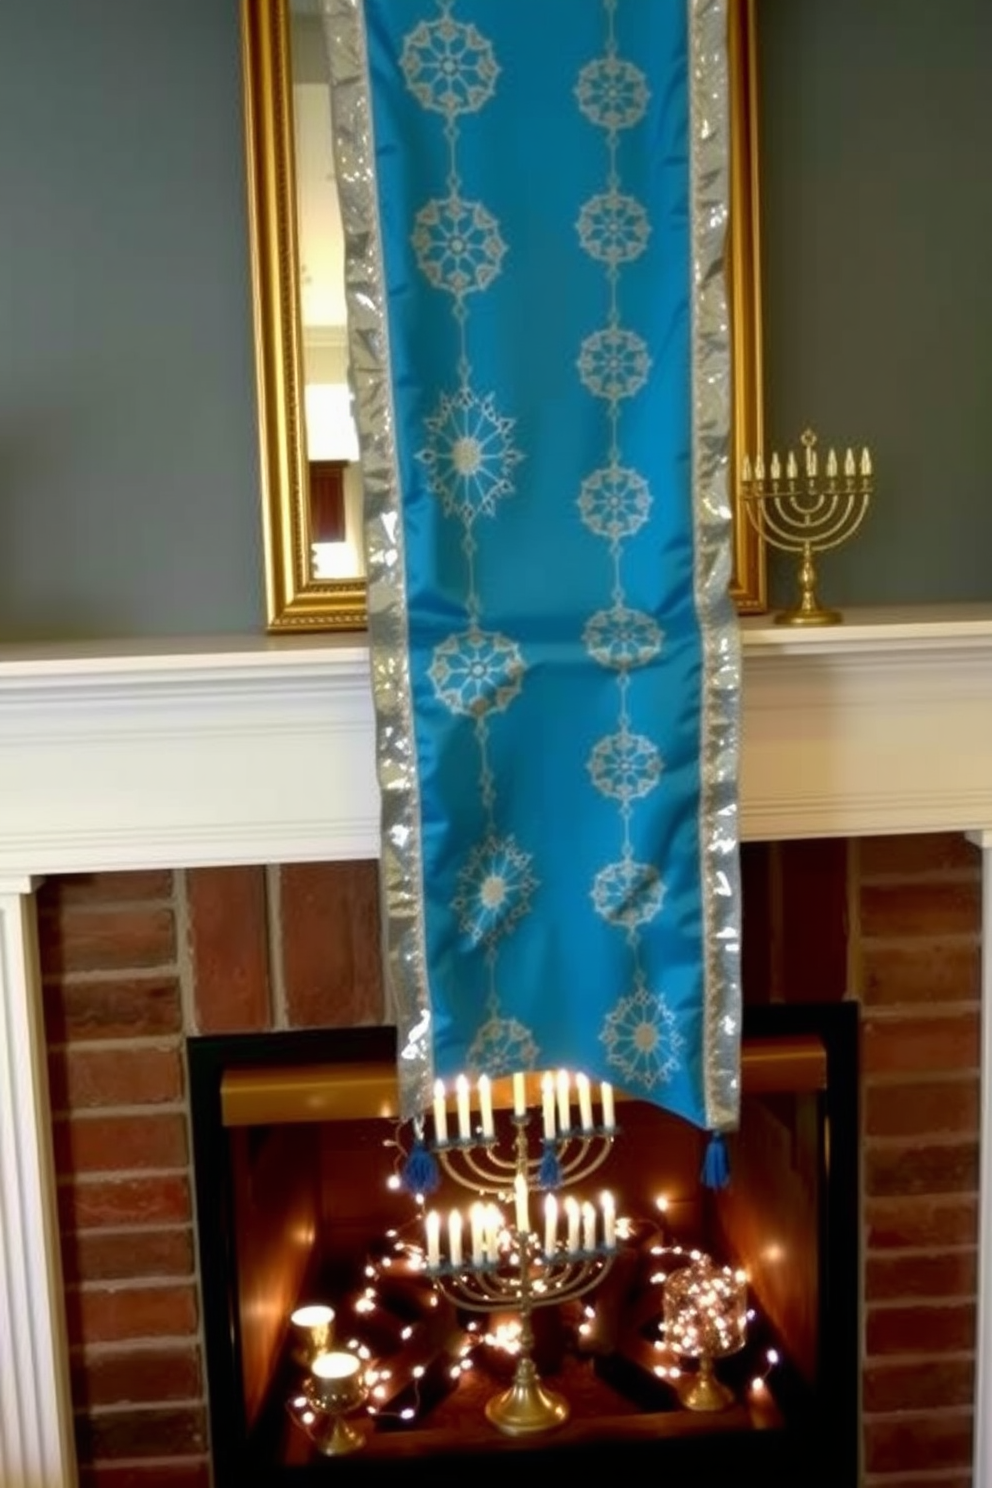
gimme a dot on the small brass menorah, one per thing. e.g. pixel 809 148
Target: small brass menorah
pixel 806 512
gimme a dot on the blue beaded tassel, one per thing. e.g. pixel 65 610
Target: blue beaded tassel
pixel 716 1163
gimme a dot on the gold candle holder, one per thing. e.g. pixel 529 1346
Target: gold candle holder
pixel 336 1387
pixel 798 508
pixel 492 1267
pixel 312 1332
pixel 705 1319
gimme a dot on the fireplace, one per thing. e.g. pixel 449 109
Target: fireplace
pixel 293 1139
pixel 227 757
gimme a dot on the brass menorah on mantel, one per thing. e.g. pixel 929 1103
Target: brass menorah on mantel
pixel 806 511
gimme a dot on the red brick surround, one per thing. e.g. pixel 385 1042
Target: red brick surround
pixel 134 962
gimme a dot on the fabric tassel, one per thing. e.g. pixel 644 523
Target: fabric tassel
pixel 420 1174
pixel 716 1163
pixel 549 1173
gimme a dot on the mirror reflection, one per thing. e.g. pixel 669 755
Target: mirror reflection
pixel 329 428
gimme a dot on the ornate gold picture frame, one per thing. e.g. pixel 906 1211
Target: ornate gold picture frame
pixel 296 599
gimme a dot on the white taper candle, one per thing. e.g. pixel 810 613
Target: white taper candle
pixel 464 1110
pixel 486 1106
pixel 455 1237
pixel 440 1114
pixel 550 1224
pixel 433 1240
pixel 548 1106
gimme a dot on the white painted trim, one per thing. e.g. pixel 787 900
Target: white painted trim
pixel 261 751
pixel 36 1442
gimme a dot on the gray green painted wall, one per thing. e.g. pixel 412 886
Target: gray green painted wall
pixel 128 465
pixel 129 488
pixel 877 193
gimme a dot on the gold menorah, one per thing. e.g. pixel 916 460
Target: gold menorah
pixel 806 512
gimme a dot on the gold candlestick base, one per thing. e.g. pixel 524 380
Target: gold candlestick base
pixel 527 1407
pixel 340 1440
pixel 704 1392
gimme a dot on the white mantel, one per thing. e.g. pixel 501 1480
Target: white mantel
pixel 261 751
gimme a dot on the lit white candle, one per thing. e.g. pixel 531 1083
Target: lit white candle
pixel 572 1216
pixel 477 1219
pixel 440 1114
pixel 585 1101
pixel 588 1227
pixel 486 1106
pixel 849 466
pixel 606 1096
pixel 548 1107
pixel 550 1224
pixel 494 1223
pixel 520 1195
pixel 866 461
pixel 464 1110
pixel 609 1221
pixel 564 1114
pixel 519 1095
pixel 455 1237
pixel 433 1240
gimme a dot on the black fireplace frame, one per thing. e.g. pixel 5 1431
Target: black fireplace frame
pixel 823 1454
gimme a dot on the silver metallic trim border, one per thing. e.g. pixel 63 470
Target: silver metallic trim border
pixel 709 122
pixel 401 893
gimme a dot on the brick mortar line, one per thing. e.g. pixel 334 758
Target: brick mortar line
pixel 922 1139
pixel 139 1042
pixel 100 1175
pixel 890 1304
pixel 102 1113
pixel 899 1361
pixel 138 1284
pixel 173 1344
pixel 963 1411
pixel 124 974
pixel 923 1012
pixel 128 1407
pixel 916 1252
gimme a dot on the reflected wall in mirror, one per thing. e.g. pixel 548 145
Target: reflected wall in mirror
pixel 311 485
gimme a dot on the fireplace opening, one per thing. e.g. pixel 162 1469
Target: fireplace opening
pixel 296 1148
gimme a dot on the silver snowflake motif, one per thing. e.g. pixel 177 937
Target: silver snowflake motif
pixel 614 502
pixel 614 363
pixel 628 893
pixel 501 1047
pixel 493 890
pixel 642 1039
pixel 449 67
pixel 612 93
pixel 625 766
pixel 469 454
pixel 477 672
pixel 622 638
pixel 613 228
pixel 458 245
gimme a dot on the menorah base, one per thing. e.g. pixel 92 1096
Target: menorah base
pixel 527 1407
pixel 704 1392
pixel 809 617
pixel 336 1437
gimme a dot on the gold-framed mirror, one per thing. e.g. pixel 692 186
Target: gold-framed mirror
pixel 311 490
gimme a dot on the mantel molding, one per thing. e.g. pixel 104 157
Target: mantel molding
pixel 233 751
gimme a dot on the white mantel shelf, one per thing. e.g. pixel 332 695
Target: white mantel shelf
pixel 247 750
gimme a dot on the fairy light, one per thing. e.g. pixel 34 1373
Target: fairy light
pixel 706 1310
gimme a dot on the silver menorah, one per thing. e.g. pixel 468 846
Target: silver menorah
pixel 806 511
pixel 512 1266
